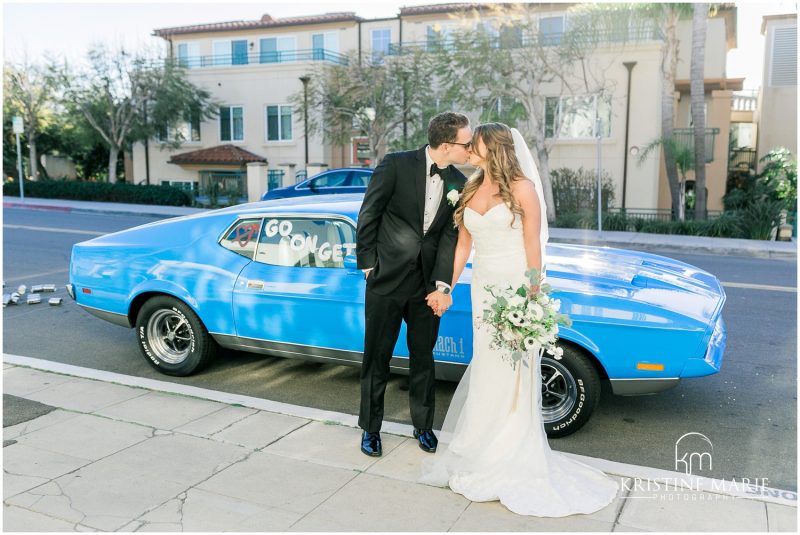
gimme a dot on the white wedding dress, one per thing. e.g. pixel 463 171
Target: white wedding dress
pixel 493 445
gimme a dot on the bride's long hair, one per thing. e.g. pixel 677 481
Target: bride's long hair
pixel 501 162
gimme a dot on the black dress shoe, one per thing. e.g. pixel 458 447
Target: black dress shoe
pixel 427 440
pixel 371 444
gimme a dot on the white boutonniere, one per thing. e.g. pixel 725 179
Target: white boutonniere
pixel 453 197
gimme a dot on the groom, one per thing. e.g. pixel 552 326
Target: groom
pixel 405 245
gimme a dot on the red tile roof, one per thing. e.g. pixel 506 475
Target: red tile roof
pixel 438 8
pixel 266 21
pixel 221 154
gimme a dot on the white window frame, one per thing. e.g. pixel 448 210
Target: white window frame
pixel 556 15
pixel 372 33
pixel 330 40
pixel 219 130
pixel 557 119
pixel 266 124
pixel 278 38
pixel 192 51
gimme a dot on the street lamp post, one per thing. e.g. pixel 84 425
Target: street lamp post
pixel 305 79
pixel 629 65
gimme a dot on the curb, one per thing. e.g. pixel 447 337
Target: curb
pixel 87 210
pixel 640 474
pixel 37 207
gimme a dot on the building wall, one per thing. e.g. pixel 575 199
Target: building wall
pixel 255 86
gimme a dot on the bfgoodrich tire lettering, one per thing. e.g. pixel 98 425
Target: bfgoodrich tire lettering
pixel 172 338
pixel 570 392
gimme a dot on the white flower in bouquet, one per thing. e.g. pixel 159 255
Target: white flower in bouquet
pixel 535 310
pixel 516 301
pixel 515 317
pixel 532 344
pixel 509 335
pixel 558 352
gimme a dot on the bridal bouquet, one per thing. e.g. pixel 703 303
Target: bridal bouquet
pixel 523 322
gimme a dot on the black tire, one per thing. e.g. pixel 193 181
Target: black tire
pixel 576 380
pixel 189 347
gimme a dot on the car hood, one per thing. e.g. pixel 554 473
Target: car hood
pixel 642 278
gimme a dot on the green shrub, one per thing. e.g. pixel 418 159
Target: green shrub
pixel 576 190
pixel 100 191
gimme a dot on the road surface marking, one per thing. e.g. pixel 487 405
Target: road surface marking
pixel 55 229
pixel 790 289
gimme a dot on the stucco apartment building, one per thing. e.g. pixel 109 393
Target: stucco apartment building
pixel 253 67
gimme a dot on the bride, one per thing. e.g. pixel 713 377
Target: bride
pixel 493 445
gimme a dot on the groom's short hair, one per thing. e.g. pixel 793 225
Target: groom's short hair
pixel 444 127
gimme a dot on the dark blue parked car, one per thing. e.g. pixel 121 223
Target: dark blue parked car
pixel 345 180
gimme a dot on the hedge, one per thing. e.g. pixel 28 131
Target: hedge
pixel 100 191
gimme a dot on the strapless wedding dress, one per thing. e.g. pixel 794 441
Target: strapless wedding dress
pixel 493 445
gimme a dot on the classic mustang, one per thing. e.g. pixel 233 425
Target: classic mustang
pixel 280 278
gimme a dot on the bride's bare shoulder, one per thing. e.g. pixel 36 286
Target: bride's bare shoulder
pixel 523 186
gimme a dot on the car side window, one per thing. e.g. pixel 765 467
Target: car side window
pixel 305 242
pixel 330 180
pixel 242 237
pixel 361 179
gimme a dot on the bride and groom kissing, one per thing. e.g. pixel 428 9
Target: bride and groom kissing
pixel 417 226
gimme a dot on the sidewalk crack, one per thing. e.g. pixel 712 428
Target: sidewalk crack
pixel 624 500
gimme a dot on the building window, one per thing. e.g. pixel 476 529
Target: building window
pixel 439 36
pixel 186 130
pixel 551 30
pixel 277 49
pixel 230 52
pixel 576 117
pixel 381 39
pixel 279 123
pixel 189 55
pixel 231 123
pixel 783 63
pixel 322 42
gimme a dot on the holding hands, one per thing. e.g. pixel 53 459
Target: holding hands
pixel 439 302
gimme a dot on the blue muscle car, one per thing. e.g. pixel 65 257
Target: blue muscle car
pixel 280 278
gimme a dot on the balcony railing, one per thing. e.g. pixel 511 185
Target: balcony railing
pixel 512 40
pixel 744 102
pixel 262 58
pixel 742 159
pixel 684 137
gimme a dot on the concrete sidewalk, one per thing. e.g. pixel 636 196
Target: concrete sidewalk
pixel 625 240
pixel 115 455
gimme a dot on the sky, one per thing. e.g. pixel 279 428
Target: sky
pixel 67 29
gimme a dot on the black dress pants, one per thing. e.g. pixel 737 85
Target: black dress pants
pixel 384 316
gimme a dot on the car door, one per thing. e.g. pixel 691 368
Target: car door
pixel 330 182
pixel 302 293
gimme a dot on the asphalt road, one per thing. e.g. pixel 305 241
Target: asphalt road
pixel 748 411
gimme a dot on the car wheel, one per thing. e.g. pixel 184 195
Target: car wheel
pixel 570 392
pixel 172 338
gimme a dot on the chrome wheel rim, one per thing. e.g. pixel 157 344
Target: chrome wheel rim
pixel 170 336
pixel 559 390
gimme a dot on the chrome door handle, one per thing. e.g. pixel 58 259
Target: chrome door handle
pixel 255 284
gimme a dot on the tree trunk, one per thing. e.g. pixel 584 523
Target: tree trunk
pixel 544 174
pixel 113 156
pixel 697 77
pixel 669 66
pixel 34 161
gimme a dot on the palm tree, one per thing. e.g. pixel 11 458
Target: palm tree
pixel 683 159
pixel 697 78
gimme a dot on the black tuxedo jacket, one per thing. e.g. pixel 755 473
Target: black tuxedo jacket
pixel 389 237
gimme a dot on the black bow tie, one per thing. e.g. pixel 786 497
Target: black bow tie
pixel 436 171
